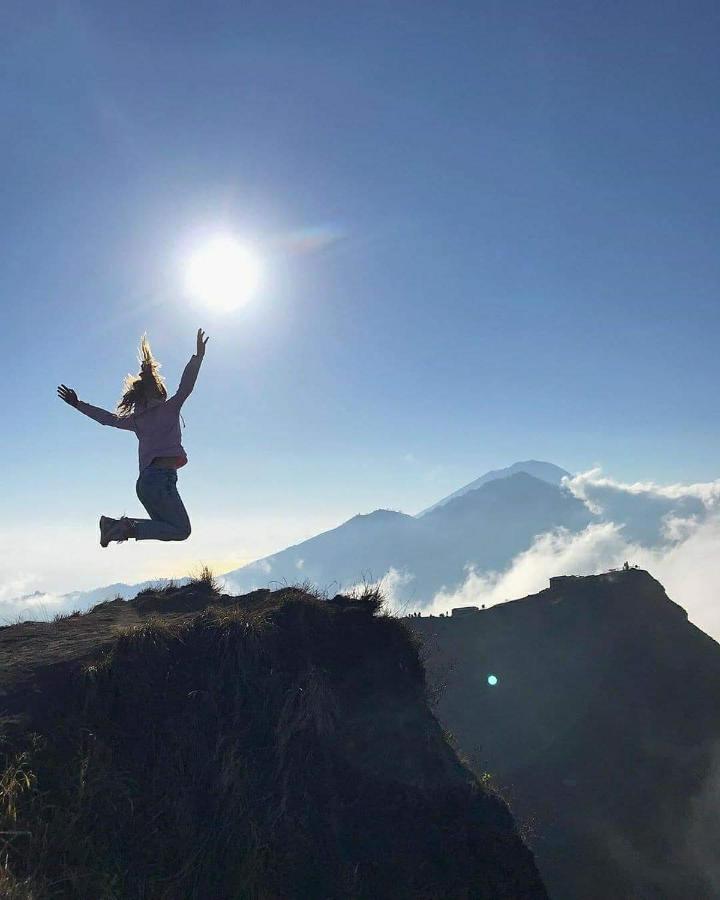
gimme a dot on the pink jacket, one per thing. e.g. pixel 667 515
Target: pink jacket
pixel 157 428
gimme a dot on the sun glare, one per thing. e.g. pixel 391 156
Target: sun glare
pixel 223 274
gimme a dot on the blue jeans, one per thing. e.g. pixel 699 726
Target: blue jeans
pixel 157 491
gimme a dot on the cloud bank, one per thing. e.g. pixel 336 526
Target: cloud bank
pixel 673 531
pixel 16 603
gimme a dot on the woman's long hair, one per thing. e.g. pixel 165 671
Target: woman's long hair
pixel 148 383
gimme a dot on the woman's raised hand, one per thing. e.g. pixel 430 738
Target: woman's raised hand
pixel 68 395
pixel 200 352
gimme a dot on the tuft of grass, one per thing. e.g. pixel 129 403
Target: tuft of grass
pixel 311 590
pixel 368 595
pixel 102 603
pixel 61 617
pixel 153 630
pixel 204 578
pixel 12 889
pixel 160 587
pixel 16 778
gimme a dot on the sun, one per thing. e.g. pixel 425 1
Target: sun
pixel 223 273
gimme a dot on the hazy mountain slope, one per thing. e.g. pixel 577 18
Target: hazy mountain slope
pixel 545 471
pixel 603 727
pixel 485 527
pixel 490 525
pixel 366 545
pixel 85 599
pixel 188 745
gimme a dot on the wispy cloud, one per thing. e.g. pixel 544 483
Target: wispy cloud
pixel 554 553
pixel 592 485
pixel 37 605
pixel 689 568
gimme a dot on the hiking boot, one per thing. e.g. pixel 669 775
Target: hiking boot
pixel 115 529
pixel 126 527
pixel 106 527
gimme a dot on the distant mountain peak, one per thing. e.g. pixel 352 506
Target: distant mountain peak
pixel 544 471
pixel 379 515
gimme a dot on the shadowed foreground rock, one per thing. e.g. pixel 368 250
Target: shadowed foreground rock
pixel 602 729
pixel 190 745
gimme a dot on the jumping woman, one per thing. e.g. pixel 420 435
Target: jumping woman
pixel 145 409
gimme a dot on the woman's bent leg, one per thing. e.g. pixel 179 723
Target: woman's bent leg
pixel 157 491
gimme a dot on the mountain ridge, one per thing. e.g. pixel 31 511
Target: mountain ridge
pixel 540 469
pixel 486 526
pixel 601 728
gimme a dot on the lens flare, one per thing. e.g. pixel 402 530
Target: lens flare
pixel 223 274
pixel 312 239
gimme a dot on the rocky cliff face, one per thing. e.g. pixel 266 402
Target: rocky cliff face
pixel 192 745
pixel 595 706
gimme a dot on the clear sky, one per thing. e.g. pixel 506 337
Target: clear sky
pixel 489 232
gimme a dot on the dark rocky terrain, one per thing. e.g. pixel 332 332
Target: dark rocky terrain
pixel 188 744
pixel 602 731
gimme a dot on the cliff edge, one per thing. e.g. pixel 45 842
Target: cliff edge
pixel 188 744
pixel 594 704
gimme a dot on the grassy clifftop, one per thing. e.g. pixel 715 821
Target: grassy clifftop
pixel 188 744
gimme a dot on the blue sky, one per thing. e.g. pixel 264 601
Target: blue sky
pixel 523 204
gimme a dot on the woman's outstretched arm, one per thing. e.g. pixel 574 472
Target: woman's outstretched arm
pixel 189 376
pixel 94 412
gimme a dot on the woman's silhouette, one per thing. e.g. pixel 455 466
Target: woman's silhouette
pixel 146 410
